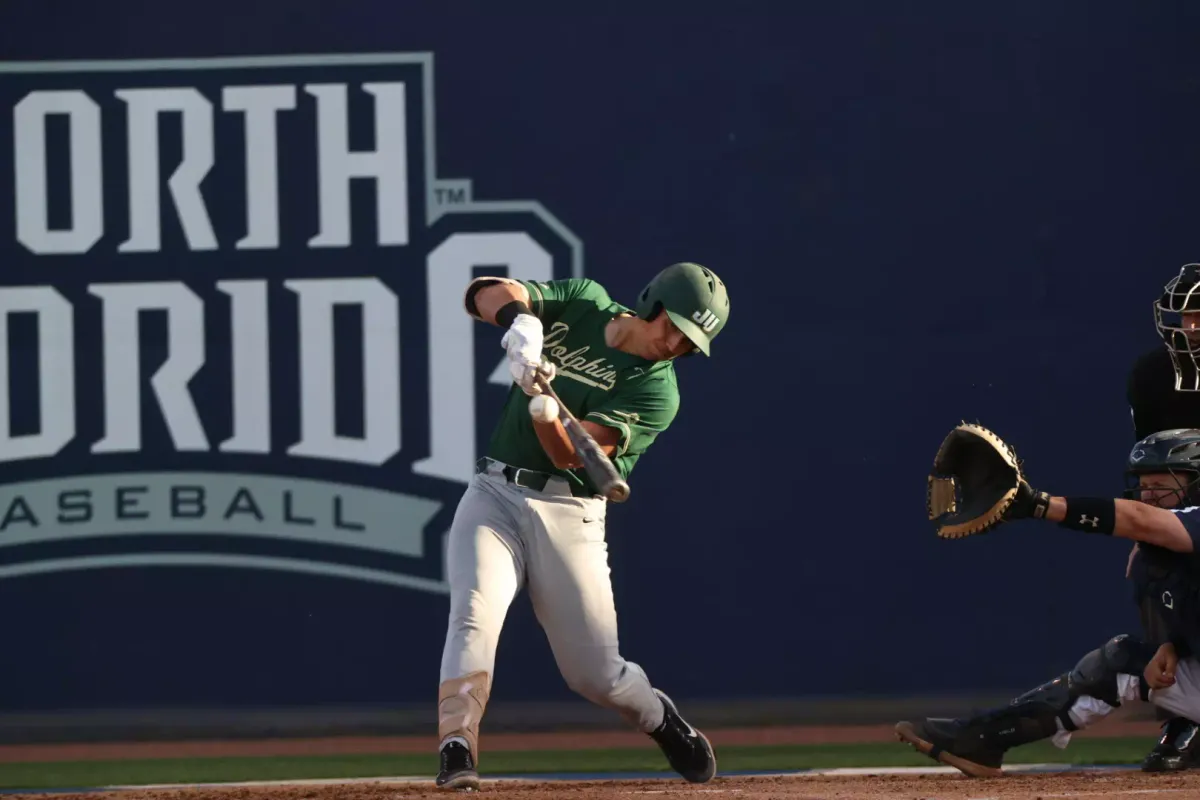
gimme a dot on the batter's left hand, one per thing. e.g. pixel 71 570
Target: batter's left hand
pixel 523 340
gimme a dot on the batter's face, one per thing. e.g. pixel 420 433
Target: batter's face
pixel 1162 489
pixel 663 341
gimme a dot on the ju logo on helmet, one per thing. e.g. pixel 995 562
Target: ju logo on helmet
pixel 706 319
pixel 227 325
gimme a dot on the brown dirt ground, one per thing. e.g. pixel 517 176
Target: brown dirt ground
pixel 924 787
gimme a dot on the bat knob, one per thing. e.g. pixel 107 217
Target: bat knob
pixel 618 492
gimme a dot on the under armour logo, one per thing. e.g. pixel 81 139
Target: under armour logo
pixel 1168 601
pixel 1084 519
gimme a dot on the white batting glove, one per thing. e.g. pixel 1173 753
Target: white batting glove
pixel 543 408
pixel 525 374
pixel 523 339
pixel 523 342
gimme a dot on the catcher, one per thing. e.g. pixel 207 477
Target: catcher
pixel 978 484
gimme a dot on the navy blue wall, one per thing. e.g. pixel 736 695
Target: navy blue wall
pixel 924 212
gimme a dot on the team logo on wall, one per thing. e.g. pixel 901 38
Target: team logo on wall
pixel 231 330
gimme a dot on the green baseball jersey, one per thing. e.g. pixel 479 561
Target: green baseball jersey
pixel 598 383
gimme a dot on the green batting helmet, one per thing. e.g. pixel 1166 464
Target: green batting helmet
pixel 693 297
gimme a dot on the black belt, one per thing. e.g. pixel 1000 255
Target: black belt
pixel 528 478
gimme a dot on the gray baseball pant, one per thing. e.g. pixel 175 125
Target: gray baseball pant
pixel 505 536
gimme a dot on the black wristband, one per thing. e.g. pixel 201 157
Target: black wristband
pixel 1090 514
pixel 509 312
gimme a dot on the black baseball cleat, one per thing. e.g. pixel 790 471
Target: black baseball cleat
pixel 688 751
pixel 949 741
pixel 458 769
pixel 1178 747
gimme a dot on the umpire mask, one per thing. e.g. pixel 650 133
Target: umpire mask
pixel 1177 318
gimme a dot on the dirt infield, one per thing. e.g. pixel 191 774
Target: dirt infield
pixel 564 740
pixel 887 787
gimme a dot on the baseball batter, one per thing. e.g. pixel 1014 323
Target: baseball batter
pixel 531 517
pixel 1164 393
pixel 1165 471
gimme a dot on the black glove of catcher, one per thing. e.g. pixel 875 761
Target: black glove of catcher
pixel 1028 503
pixel 977 483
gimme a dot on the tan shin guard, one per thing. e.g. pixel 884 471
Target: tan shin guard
pixel 461 702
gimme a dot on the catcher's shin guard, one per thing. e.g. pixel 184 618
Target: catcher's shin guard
pixel 976 745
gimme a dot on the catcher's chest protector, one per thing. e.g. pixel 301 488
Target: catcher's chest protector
pixel 1169 583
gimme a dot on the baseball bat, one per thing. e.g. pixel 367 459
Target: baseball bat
pixel 598 465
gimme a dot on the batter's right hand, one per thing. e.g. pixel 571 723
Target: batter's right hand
pixel 525 374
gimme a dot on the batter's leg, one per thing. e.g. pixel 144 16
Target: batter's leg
pixel 485 569
pixel 571 592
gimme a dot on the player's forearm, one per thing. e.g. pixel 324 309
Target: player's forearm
pixel 556 444
pixel 490 299
pixel 1131 520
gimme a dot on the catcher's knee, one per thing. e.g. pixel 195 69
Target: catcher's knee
pixel 1127 654
pixel 1096 673
pixel 461 703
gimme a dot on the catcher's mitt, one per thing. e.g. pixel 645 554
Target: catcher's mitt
pixel 977 483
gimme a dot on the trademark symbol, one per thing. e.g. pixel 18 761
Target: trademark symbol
pixel 451 193
pixel 447 197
